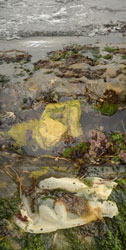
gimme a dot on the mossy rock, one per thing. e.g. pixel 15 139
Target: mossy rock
pixel 108 108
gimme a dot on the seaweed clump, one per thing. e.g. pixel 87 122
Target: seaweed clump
pixel 62 240
pixel 118 144
pixel 115 235
pixel 8 207
pixel 36 241
pixel 100 149
pixel 107 108
pixel 5 245
pixel 78 151
pixel 109 104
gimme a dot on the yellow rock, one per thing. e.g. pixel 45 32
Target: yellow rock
pixel 55 121
pixel 73 118
pixel 18 131
pixel 49 132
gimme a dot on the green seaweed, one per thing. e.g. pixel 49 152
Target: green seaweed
pixel 39 173
pixel 108 56
pixel 65 239
pixel 122 182
pixel 119 139
pixel 67 152
pixel 74 243
pixel 64 54
pixel 115 236
pixel 88 182
pixel 108 108
pixel 96 54
pixel 5 245
pixel 9 206
pixel 110 242
pixel 124 57
pixel 37 241
pixel 60 169
pixel 80 148
pixel 109 49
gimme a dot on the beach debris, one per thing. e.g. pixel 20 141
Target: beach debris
pixel 74 203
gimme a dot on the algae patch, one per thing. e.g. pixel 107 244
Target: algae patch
pixel 79 149
pixel 108 108
pixel 38 173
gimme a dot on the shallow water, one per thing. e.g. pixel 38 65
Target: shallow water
pixel 61 17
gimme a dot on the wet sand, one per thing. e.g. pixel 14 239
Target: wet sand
pixel 38 47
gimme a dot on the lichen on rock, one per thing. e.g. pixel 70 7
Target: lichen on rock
pixel 19 131
pixel 56 120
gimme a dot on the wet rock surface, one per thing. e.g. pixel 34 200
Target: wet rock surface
pixel 92 136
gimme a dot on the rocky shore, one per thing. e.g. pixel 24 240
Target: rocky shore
pixel 63 116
